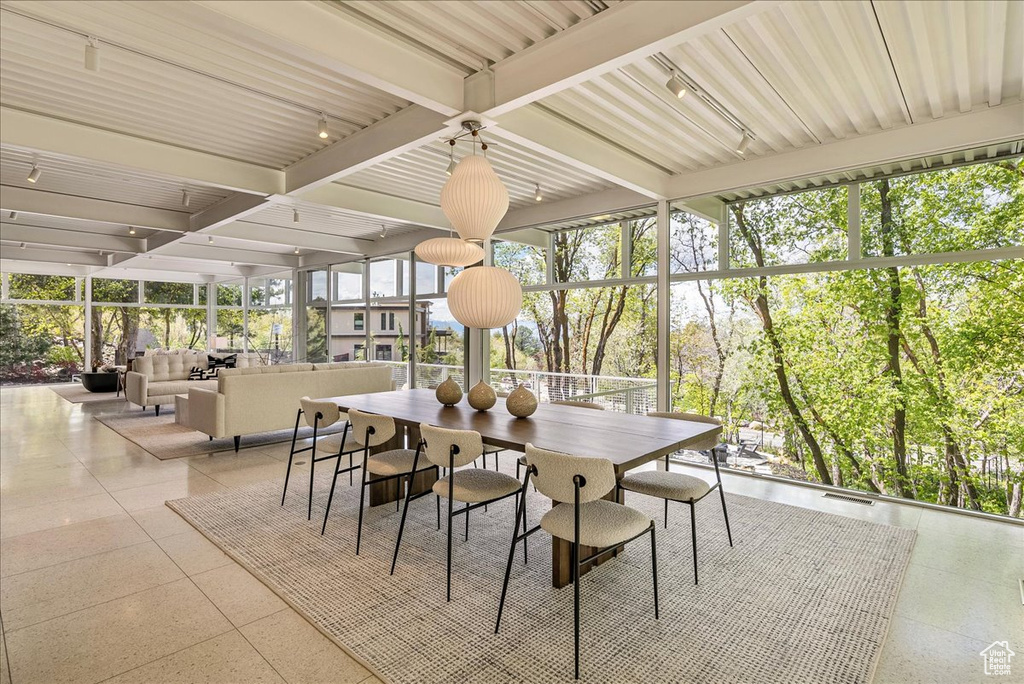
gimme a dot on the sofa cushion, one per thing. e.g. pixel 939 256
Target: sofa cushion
pixel 171 387
pixel 161 367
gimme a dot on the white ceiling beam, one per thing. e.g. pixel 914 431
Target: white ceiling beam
pixel 303 239
pixel 407 130
pixel 953 133
pixel 377 206
pixel 226 211
pixel 222 254
pixel 342 43
pixel 614 38
pixel 59 237
pixel 67 139
pixel 585 206
pixel 566 142
pixel 45 203
pixel 527 236
pixel 52 256
pixel 123 266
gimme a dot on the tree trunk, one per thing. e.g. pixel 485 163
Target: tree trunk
pixel 97 336
pixel 777 353
pixel 893 312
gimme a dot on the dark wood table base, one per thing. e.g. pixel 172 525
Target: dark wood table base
pixel 389 491
pixel 561 555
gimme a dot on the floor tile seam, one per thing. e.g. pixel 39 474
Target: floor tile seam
pixel 940 629
pixel 148 484
pixel 166 655
pixel 964 575
pixel 91 555
pixel 97 605
pixel 57 527
pixel 57 501
pixel 974 637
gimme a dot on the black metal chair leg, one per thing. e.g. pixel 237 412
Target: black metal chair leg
pixel 330 498
pixel 467 522
pixel 693 534
pixel 654 569
pixel 526 558
pixel 449 586
pixel 726 514
pixel 291 455
pixel 362 498
pixel 576 600
pixel 666 514
pixel 438 497
pixel 401 528
pixel 350 467
pixel 312 465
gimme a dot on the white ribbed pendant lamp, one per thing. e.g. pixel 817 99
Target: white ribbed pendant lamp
pixel 485 297
pixel 449 251
pixel 474 199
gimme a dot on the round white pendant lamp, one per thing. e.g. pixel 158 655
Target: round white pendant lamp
pixel 485 297
pixel 449 251
pixel 474 199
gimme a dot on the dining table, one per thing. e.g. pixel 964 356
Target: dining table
pixel 627 440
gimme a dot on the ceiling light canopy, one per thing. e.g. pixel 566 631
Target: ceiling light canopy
pixel 34 174
pixel 474 199
pixel 676 86
pixel 485 297
pixel 449 251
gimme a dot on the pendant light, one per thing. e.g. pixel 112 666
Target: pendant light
pixel 485 297
pixel 449 251
pixel 474 199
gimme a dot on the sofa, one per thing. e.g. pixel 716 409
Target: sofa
pixel 155 378
pixel 252 400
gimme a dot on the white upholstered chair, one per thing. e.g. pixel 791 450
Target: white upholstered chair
pixel 320 415
pixel 680 487
pixel 475 487
pixel 581 517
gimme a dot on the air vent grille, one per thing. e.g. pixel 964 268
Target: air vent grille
pixel 845 497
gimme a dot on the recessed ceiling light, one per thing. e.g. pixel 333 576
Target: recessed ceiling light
pixel 676 86
pixel 34 174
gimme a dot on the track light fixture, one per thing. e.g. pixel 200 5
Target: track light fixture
pixel 209 240
pixel 131 230
pixel 676 85
pixel 92 55
pixel 383 230
pixel 321 127
pixel 13 216
pixel 34 174
pixel 537 194
pixel 22 245
pixel 296 250
pixel 295 215
pixel 744 143
pixel 451 157
pixel 185 199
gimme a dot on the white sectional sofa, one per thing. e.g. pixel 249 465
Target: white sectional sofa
pixel 156 378
pixel 248 401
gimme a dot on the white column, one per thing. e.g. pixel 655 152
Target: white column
pixel 245 314
pixel 854 249
pixel 413 321
pixel 367 337
pixel 88 320
pixel 211 315
pixel 664 402
pixel 295 314
pixel 327 314
pixel 723 239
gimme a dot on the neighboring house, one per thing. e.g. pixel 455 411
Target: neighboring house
pixel 385 323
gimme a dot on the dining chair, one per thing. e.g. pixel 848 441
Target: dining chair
pixel 320 415
pixel 374 430
pixel 580 516
pixel 475 487
pixel 680 487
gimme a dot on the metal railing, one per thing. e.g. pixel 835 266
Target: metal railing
pixel 627 395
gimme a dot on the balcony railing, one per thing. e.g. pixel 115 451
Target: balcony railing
pixel 627 395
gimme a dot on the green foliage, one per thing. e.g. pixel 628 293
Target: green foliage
pixel 16 345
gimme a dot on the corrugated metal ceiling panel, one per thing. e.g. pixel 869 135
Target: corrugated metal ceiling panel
pixel 317 218
pixel 165 76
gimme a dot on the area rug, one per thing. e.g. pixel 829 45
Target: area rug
pixel 803 597
pixel 77 394
pixel 165 439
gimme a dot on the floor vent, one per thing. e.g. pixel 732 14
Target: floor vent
pixel 845 497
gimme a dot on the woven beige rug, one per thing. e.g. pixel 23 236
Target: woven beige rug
pixel 803 597
pixel 165 439
pixel 77 394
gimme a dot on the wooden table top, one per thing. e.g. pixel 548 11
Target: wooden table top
pixel 626 440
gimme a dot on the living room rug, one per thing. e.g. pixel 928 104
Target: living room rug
pixel 804 596
pixel 76 394
pixel 165 439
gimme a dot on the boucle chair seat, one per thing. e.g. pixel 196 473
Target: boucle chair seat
pixel 602 523
pixel 333 443
pixel 394 462
pixel 474 485
pixel 666 485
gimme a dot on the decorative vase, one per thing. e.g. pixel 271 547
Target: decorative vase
pixel 448 392
pixel 521 403
pixel 482 396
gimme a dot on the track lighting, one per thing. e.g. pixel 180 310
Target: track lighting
pixel 131 230
pixel 185 199
pixel 92 55
pixel 537 194
pixel 321 127
pixel 383 230
pixel 209 240
pixel 34 174
pixel 296 250
pixel 22 245
pixel 13 216
pixel 451 157
pixel 295 215
pixel 451 167
pixel 676 86
pixel 744 143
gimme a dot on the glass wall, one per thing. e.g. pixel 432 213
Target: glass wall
pixel 269 330
pixel 41 340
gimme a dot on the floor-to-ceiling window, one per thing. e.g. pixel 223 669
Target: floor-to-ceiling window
pixel 42 329
pixel 269 317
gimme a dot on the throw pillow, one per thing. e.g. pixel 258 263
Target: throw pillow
pixel 221 361
pixel 196 373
